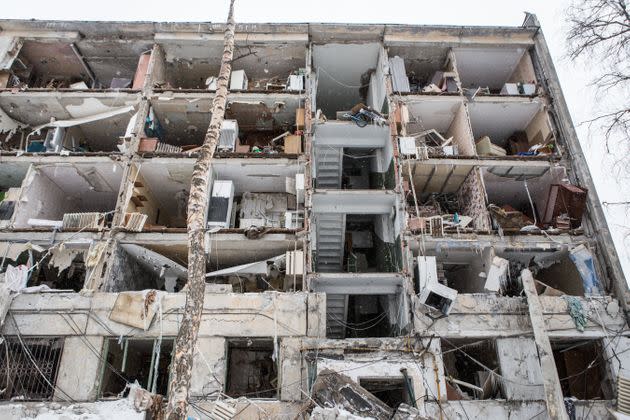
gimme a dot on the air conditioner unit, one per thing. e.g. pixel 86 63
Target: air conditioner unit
pixel 238 80
pixel 221 200
pixel 228 136
pixel 431 292
pixel 295 82
pixel 295 263
pixel 408 146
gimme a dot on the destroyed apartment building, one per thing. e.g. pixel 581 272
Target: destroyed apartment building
pixel 401 225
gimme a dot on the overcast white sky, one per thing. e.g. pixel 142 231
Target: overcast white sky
pixel 574 78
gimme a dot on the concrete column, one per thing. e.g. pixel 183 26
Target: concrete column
pixel 551 382
pixel 79 368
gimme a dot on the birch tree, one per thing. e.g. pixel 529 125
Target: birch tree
pixel 185 344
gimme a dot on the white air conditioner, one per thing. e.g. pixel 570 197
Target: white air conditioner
pixel 431 292
pixel 228 136
pixel 295 82
pixel 221 200
pixel 238 80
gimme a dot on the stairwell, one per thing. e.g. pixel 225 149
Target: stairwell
pixel 328 166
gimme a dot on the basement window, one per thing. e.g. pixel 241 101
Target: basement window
pixel 22 367
pixel 132 360
pixel 467 379
pixel 251 370
pixel 391 391
pixel 582 370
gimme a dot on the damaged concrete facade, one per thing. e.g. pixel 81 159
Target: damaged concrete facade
pixel 444 251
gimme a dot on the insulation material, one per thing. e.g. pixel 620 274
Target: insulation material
pixel 9 125
pixel 136 309
pixel 62 258
pixel 471 196
pixel 583 260
pixel 94 254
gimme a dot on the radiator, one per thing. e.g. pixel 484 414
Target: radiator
pixel 83 220
pixel 135 221
pixel 623 395
pixel 167 148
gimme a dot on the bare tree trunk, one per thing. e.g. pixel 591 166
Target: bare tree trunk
pixel 181 368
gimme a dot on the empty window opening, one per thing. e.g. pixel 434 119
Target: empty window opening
pixel 368 316
pixel 347 74
pixel 428 69
pixel 391 391
pixel 524 129
pixel 79 66
pixel 136 360
pixel 251 373
pixel 582 370
pixel 364 248
pixel 528 199
pixel 467 379
pixel 254 68
pixel 27 367
pixel 77 196
pixel 491 68
pixel 362 169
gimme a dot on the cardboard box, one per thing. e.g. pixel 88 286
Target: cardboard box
pixel 293 145
pixel 299 118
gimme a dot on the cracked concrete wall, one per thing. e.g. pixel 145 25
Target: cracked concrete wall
pixel 209 367
pixel 79 381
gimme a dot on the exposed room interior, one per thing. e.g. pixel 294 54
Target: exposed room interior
pixel 511 128
pixel 582 369
pixel 441 126
pixel 188 65
pixel 492 67
pixel 527 198
pixel 73 123
pixel 426 64
pixel 52 191
pixel 348 74
pixel 244 193
pixel 261 120
pixel 444 197
pixel 11 177
pixel 366 162
pixel 364 238
pixel 391 391
pixel 379 310
pixel 466 380
pixel 251 370
pixel 80 65
pixel 136 359
pixel 556 273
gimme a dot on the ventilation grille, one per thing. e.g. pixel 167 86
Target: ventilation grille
pixel 222 411
pixel 623 395
pixel 135 221
pixel 83 221
pixel 167 148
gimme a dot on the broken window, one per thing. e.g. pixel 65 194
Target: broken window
pixel 391 391
pixel 466 378
pixel 582 370
pixel 525 130
pixel 69 196
pixel 251 372
pixel 28 365
pixel 135 359
pixel 371 316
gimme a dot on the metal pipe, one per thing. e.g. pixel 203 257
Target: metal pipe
pixel 85 65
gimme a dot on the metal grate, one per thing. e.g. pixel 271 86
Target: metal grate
pixel 26 371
